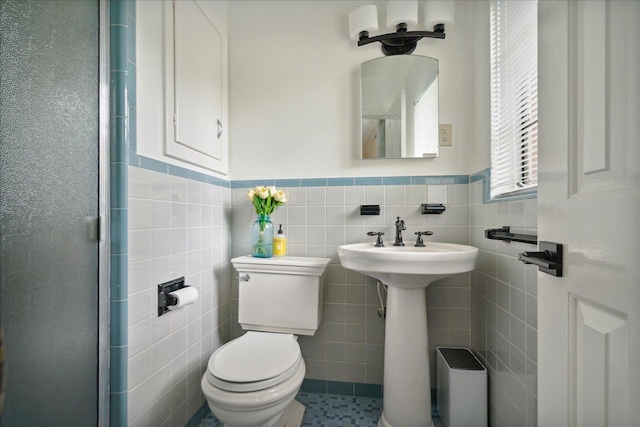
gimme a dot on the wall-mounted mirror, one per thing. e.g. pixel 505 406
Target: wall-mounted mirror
pixel 399 100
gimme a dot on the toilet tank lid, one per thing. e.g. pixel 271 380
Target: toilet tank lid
pixel 285 264
pixel 255 356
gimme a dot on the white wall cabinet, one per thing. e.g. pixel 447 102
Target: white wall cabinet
pixel 195 84
pixel 181 80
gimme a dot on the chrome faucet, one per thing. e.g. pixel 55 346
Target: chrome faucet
pixel 399 227
pixel 419 241
pixel 379 242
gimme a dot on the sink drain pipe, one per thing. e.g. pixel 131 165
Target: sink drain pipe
pixel 382 310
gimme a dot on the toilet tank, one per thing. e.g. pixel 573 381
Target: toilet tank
pixel 280 294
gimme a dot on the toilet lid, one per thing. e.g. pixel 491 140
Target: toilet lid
pixel 255 357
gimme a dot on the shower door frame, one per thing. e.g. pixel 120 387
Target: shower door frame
pixel 104 247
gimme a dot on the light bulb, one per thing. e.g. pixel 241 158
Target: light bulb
pixel 364 18
pixel 402 12
pixel 438 12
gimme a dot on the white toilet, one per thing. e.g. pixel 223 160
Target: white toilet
pixel 253 380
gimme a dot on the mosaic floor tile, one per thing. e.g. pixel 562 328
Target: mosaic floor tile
pixel 326 410
pixel 329 410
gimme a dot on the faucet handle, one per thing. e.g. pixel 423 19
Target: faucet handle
pixel 419 242
pixel 379 243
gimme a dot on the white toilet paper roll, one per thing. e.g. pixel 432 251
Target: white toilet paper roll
pixel 185 296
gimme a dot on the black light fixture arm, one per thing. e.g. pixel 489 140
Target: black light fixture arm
pixel 402 41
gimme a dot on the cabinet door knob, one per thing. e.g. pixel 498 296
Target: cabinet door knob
pixel 219 129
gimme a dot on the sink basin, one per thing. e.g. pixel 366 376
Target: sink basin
pixel 407 270
pixel 408 266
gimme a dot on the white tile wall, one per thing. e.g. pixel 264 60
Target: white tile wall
pixel 177 227
pixel 504 309
pixel 349 345
pixel 182 227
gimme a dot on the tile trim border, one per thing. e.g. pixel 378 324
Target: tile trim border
pixel 485 176
pixel 119 93
pixel 148 163
pixel 354 181
pixel 341 388
pixel 144 162
pixel 199 415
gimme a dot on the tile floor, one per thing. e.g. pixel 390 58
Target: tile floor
pixel 326 410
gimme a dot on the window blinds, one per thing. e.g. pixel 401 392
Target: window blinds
pixel 514 96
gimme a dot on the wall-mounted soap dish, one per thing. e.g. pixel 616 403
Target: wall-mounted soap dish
pixel 432 208
pixel 369 209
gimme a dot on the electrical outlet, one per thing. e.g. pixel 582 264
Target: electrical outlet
pixel 445 135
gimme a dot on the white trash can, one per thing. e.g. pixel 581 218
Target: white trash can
pixel 461 388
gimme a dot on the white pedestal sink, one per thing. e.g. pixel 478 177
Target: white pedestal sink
pixel 407 270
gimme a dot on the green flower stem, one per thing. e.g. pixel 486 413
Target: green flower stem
pixel 262 220
pixel 265 206
pixel 260 247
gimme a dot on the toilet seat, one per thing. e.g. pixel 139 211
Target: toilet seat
pixel 254 361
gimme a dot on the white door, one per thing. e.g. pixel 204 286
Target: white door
pixel 588 200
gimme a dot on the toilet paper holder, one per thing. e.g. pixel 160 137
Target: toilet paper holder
pixel 164 289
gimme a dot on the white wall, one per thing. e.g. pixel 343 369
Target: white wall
pixel 480 150
pixel 294 92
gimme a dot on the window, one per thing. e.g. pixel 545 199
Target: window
pixel 514 97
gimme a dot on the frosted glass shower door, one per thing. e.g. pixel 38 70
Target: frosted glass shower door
pixel 49 183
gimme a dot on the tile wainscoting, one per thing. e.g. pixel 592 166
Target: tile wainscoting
pixel 504 307
pixel 182 223
pixel 322 214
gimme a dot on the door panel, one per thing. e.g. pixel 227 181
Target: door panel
pixel 599 352
pixel 49 85
pixel 589 200
pixel 601 70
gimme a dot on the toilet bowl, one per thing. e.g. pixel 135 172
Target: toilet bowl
pixel 252 380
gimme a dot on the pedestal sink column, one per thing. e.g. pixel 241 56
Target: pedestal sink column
pixel 407 388
pixel 407 270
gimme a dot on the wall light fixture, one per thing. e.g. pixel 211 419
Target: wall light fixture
pixel 400 15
